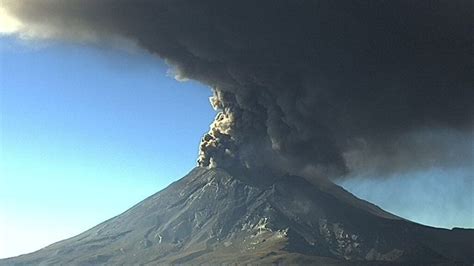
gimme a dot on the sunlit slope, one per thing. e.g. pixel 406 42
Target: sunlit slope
pixel 212 217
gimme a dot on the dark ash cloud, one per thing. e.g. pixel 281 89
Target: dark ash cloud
pixel 305 87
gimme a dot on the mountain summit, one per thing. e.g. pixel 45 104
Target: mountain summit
pixel 210 216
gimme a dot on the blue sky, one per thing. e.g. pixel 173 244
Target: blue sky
pixel 87 132
pixel 436 197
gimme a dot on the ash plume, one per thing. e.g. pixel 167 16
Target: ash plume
pixel 302 87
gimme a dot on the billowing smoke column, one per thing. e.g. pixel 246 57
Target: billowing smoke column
pixel 250 132
pixel 302 87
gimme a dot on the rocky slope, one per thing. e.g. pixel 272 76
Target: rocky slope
pixel 210 216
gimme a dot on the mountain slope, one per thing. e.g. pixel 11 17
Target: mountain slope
pixel 212 217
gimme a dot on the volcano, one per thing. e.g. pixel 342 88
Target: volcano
pixel 211 216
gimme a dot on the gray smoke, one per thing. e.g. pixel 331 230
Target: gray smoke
pixel 302 87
